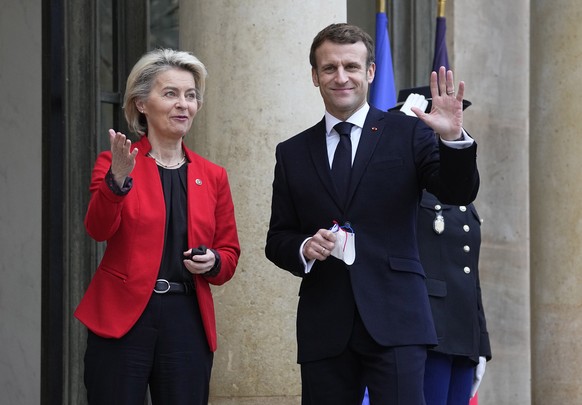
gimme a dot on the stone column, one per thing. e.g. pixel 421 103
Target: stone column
pixel 23 188
pixel 490 52
pixel 556 201
pixel 259 93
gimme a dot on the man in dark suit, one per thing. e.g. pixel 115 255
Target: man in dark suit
pixel 367 323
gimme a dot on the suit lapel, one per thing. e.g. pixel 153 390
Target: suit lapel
pixel 371 133
pixel 318 152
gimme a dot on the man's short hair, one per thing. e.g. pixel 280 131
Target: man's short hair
pixel 342 33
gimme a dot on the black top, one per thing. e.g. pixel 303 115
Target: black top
pixel 176 237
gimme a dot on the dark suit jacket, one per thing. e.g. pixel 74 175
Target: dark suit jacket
pixel 397 157
pixel 133 226
pixel 451 262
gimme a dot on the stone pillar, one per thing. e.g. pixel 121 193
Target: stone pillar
pixel 259 92
pixel 490 52
pixel 22 193
pixel 556 201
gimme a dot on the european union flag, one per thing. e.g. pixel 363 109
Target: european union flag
pixel 383 91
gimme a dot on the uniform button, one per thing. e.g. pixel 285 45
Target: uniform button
pixel 437 207
pixel 463 208
pixel 466 228
pixel 467 270
pixel 466 248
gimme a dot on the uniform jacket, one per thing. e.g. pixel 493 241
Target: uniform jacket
pixel 397 157
pixel 450 259
pixel 133 226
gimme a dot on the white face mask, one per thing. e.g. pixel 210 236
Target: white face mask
pixel 345 244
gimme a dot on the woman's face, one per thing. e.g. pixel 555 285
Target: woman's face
pixel 171 105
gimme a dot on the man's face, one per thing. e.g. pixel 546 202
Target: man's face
pixel 342 77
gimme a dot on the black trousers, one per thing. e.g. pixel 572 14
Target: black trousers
pixel 393 375
pixel 165 350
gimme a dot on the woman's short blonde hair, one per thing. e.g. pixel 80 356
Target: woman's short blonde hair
pixel 141 80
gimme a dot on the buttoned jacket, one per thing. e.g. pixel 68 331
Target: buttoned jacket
pixel 396 158
pixel 449 239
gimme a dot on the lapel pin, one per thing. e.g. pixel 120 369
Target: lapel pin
pixel 198 182
pixel 374 129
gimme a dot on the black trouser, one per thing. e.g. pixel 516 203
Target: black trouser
pixel 393 375
pixel 166 349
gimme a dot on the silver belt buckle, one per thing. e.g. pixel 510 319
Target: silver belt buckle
pixel 161 280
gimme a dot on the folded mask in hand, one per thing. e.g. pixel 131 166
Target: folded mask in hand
pixel 345 244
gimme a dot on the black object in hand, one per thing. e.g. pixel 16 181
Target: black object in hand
pixel 200 250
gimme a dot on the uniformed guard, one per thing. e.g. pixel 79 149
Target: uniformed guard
pixel 449 240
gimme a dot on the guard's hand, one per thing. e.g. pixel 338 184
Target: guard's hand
pixel 446 115
pixel 320 245
pixel 122 157
pixel 414 100
pixel 478 377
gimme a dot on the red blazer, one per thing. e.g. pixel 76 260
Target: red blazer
pixel 133 226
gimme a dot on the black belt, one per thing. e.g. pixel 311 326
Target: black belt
pixel 173 287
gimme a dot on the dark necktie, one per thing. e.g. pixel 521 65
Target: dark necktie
pixel 341 166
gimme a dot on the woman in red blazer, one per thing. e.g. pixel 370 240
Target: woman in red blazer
pixel 168 218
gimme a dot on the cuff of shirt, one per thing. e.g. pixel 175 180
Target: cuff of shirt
pixel 464 142
pixel 213 272
pixel 114 187
pixel 306 264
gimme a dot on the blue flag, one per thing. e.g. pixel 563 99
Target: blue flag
pixel 441 56
pixel 383 91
